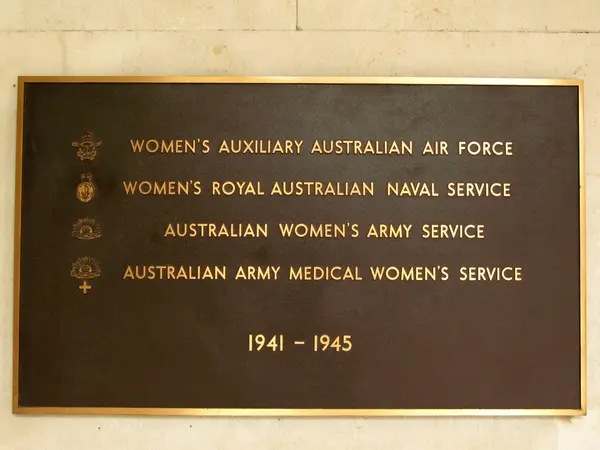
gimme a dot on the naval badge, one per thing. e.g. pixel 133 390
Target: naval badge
pixel 87 148
pixel 86 229
pixel 85 189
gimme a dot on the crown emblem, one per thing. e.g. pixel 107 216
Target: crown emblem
pixel 85 189
pixel 85 268
pixel 87 148
pixel 86 229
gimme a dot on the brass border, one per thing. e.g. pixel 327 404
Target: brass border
pixel 17 231
pixel 239 412
pixel 582 252
pixel 307 80
pixel 298 412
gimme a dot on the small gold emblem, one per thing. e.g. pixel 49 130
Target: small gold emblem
pixel 86 229
pixel 85 268
pixel 87 148
pixel 84 287
pixel 86 188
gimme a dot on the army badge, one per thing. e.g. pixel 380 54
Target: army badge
pixel 85 189
pixel 87 148
pixel 86 229
pixel 85 268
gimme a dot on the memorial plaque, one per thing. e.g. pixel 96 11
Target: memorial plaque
pixel 299 246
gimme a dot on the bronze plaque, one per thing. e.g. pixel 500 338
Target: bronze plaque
pixel 299 246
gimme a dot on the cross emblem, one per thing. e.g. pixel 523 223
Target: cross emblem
pixel 85 287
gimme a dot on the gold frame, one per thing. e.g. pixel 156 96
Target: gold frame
pixel 298 412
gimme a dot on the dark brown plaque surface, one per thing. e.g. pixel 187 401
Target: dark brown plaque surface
pixel 134 280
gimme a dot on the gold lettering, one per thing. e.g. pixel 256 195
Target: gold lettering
pixel 468 189
pixel 167 272
pixel 475 148
pixel 356 147
pixel 436 148
pixel 412 189
pixel 318 273
pixel 389 231
pixel 477 273
pixel 257 273
pixel 320 188
pixel 162 187
pixel 413 273
pixel 443 231
pixel 168 146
